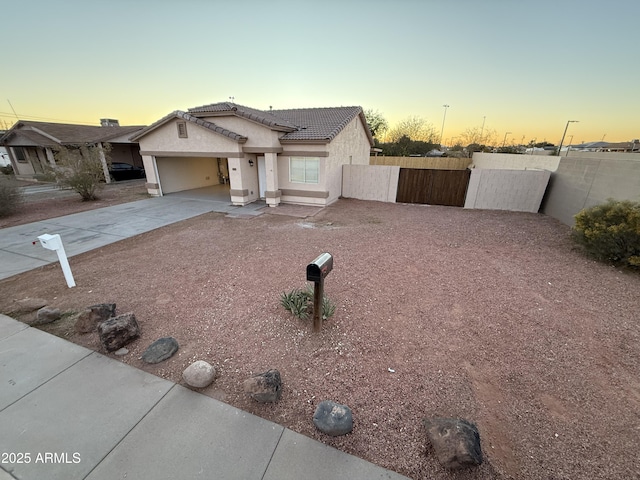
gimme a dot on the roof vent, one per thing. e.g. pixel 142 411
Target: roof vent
pixel 109 122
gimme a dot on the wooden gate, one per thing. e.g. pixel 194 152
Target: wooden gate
pixel 433 187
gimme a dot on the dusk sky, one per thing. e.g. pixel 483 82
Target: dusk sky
pixel 521 66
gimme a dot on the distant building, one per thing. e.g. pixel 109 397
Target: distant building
pixel 31 145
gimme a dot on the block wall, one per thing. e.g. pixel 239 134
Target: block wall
pixel 514 190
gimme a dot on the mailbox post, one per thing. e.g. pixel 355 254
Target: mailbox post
pixel 54 242
pixel 316 272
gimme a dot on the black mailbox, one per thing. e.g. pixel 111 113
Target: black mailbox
pixel 319 268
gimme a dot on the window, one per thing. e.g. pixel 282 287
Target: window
pixel 182 129
pixel 19 154
pixel 304 170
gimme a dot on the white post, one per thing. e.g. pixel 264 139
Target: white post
pixel 103 161
pixel 54 242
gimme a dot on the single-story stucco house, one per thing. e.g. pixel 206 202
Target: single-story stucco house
pixel 31 145
pixel 289 156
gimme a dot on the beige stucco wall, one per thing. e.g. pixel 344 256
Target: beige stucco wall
pixel 319 189
pixel 501 189
pixel 350 147
pixel 244 177
pixel 199 140
pixel 184 173
pixel 509 161
pixel 370 182
pixel 258 135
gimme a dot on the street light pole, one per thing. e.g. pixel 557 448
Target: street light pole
pixel 443 119
pixel 505 139
pixel 484 119
pixel 565 133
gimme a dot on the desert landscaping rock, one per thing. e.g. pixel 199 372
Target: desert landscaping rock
pixel 28 305
pixel 199 374
pixel 121 352
pixel 513 329
pixel 47 315
pixel 333 418
pixel 89 319
pixel 264 387
pixel 118 331
pixel 455 442
pixel 160 350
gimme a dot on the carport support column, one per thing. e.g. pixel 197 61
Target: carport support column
pixel 272 193
pixel 50 157
pixel 103 161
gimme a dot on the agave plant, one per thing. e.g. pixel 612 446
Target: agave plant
pixel 300 303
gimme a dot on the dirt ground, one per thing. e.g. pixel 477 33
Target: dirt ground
pixel 489 316
pixel 40 206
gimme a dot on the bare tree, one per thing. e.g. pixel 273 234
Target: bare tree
pixel 80 169
pixel 478 136
pixel 416 128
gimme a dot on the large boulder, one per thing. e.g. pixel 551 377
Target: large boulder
pixel 89 319
pixel 264 387
pixel 199 374
pixel 456 442
pixel 333 418
pixel 118 331
pixel 160 350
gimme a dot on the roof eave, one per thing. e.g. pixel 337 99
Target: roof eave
pixel 313 142
pixel 236 113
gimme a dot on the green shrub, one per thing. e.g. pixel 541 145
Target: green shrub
pixel 10 199
pixel 7 170
pixel 300 303
pixel 610 232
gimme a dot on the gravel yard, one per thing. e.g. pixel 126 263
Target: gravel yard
pixel 485 315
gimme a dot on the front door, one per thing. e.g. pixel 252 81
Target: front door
pixel 262 176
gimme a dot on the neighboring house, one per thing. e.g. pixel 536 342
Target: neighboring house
pixel 4 156
pixel 632 146
pixel 31 145
pixel 289 156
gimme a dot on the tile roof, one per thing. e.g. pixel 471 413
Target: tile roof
pixel 67 134
pixel 301 124
pixel 190 118
pixel 265 118
pixel 318 123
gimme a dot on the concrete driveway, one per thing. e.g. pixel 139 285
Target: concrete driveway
pixel 92 229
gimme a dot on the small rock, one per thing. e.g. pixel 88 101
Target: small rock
pixel 121 352
pixel 199 374
pixel 265 387
pixel 332 418
pixel 455 442
pixel 47 315
pixel 89 319
pixel 116 332
pixel 160 350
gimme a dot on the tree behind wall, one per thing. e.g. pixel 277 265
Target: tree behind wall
pixel 80 169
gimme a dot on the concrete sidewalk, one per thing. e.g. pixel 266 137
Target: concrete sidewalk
pixel 85 231
pixel 67 413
